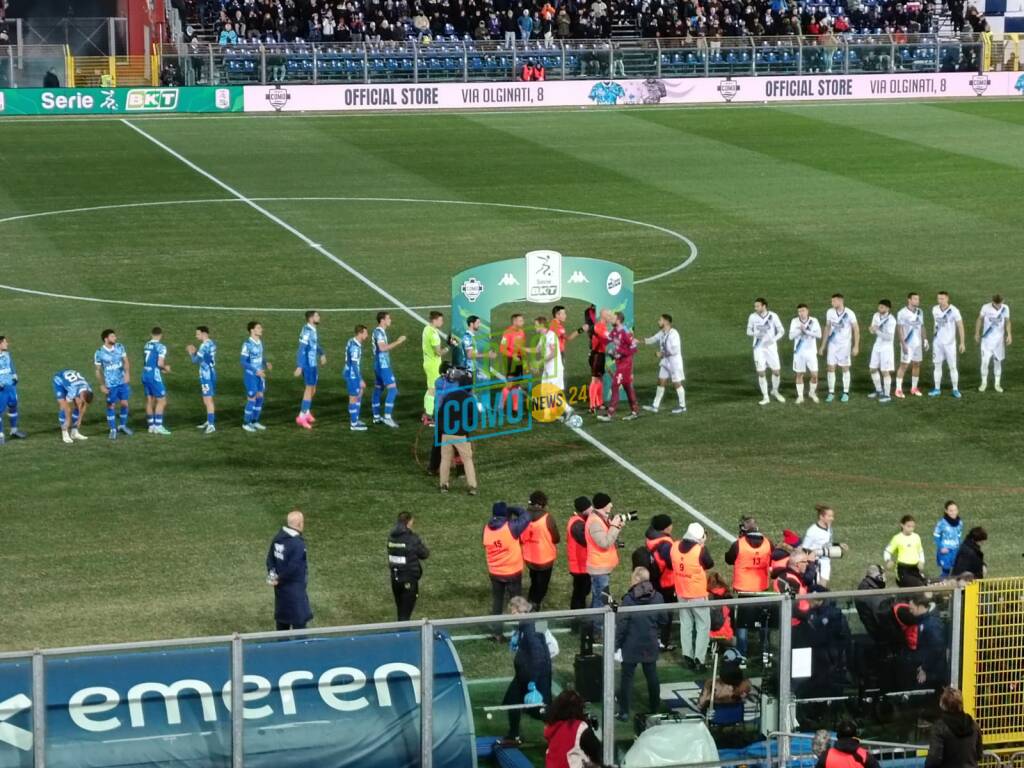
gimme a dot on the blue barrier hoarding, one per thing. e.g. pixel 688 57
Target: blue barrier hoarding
pixel 325 702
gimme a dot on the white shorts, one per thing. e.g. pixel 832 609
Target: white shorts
pixel 993 349
pixel 914 355
pixel 839 354
pixel 556 379
pixel 805 362
pixel 944 353
pixel 766 357
pixel 671 369
pixel 883 358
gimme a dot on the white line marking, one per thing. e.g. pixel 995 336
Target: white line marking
pixel 409 311
pixel 655 484
pixel 96 208
pixel 164 737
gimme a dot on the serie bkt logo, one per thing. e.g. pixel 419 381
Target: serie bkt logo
pixel 151 100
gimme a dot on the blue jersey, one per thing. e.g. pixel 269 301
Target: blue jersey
pixel 252 356
pixel 381 360
pixel 8 373
pixel 606 93
pixel 947 536
pixel 69 384
pixel 353 358
pixel 112 362
pixel 471 346
pixel 310 352
pixel 152 356
pixel 206 358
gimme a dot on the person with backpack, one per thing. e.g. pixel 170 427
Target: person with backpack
pixel 847 752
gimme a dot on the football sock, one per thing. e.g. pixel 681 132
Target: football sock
pixel 681 391
pixel 428 404
pixel 111 418
pixel 353 412
pixel 887 383
pixel 876 380
pixel 304 408
pixel 13 415
pixel 954 377
pixel 150 419
pixel 389 401
pixel 658 394
pixel 831 376
pixel 913 381
pixel 158 420
pixel 997 372
pixel 211 419
pixel 899 383
pixel 776 378
pixel 375 402
pixel 257 409
pixel 762 382
pixel 846 381
pixel 124 415
pixel 250 406
pixel 938 377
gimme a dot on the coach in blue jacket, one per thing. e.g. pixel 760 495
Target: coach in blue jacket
pixel 287 572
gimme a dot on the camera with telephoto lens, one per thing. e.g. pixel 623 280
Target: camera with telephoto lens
pixel 628 517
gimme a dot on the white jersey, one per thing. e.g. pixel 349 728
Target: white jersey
pixel 819 541
pixel 993 325
pixel 945 324
pixel 552 352
pixel 766 329
pixel 668 344
pixel 804 335
pixel 911 322
pixel 840 327
pixel 885 329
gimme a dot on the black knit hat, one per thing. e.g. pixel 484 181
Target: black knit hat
pixel 660 522
pixel 539 499
pixel 601 500
pixel 582 504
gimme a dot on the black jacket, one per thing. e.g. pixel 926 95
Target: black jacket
pixel 849 749
pixel 405 550
pixel 287 556
pixel 868 608
pixel 955 742
pixel 533 659
pixel 970 559
pixel 636 634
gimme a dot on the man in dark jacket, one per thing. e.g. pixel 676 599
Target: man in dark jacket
pixel 970 559
pixel 405 551
pixel 532 665
pixel 636 638
pixel 955 740
pixel 868 607
pixel 847 751
pixel 287 572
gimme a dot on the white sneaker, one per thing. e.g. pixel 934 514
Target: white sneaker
pixel 387 421
pixel 765 401
pixel 249 428
pixel 983 387
pixel 209 429
pixel 679 409
pixel 998 388
pixel 779 397
pixel 799 399
pixel 151 429
pixel 814 397
pixel 66 438
pixel 259 427
pixel 377 419
pixel 201 426
pixel 357 427
pixel 650 408
pixel 76 435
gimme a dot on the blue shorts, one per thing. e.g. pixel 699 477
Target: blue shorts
pixel 384 377
pixel 254 385
pixel 310 376
pixel 353 385
pixel 208 384
pixel 154 388
pixel 118 393
pixel 8 398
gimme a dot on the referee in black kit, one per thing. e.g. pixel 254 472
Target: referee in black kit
pixel 405 550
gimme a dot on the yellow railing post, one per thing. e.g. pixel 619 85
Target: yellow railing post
pixel 69 68
pixel 112 63
pixel 970 647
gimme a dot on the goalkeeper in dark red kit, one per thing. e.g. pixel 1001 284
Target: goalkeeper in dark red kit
pixel 624 347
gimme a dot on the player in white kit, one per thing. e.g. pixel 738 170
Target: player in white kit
pixel 843 344
pixel 549 353
pixel 766 329
pixel 805 333
pixel 883 358
pixel 948 326
pixel 994 334
pixel 670 352
pixel 913 340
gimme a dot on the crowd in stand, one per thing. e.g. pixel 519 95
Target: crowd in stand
pixel 344 21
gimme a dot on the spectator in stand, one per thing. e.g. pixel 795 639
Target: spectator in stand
pixel 636 640
pixel 955 739
pixel 228 36
pixel 509 28
pixel 847 751
pixel 690 564
pixel 420 23
pixel 906 552
pixel 539 542
pixel 525 26
pixel 576 551
pixel 504 553
pixel 948 533
pixel 563 23
pixel 970 559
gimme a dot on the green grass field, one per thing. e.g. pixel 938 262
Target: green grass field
pixel 153 538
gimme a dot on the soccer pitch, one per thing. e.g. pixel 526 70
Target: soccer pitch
pixel 152 537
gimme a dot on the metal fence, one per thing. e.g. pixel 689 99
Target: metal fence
pixel 468 61
pixel 801 678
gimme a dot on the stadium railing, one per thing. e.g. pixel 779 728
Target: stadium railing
pixel 801 679
pixel 467 61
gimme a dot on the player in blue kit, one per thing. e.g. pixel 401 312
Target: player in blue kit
pixel 154 366
pixel 8 391
pixel 73 395
pixel 113 371
pixel 254 374
pixel 383 374
pixel 308 359
pixel 354 378
pixel 205 356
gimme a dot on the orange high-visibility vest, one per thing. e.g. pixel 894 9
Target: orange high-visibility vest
pixel 690 579
pixel 910 631
pixel 752 567
pixel 666 579
pixel 538 72
pixel 504 552
pixel 598 557
pixel 801 606
pixel 538 546
pixel 577 552
pixel 527 73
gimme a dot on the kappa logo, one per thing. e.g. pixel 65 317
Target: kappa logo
pixel 980 83
pixel 17 737
pixel 578 277
pixel 151 100
pixel 507 279
pixel 472 289
pixel 728 88
pixel 614 284
pixel 278 98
